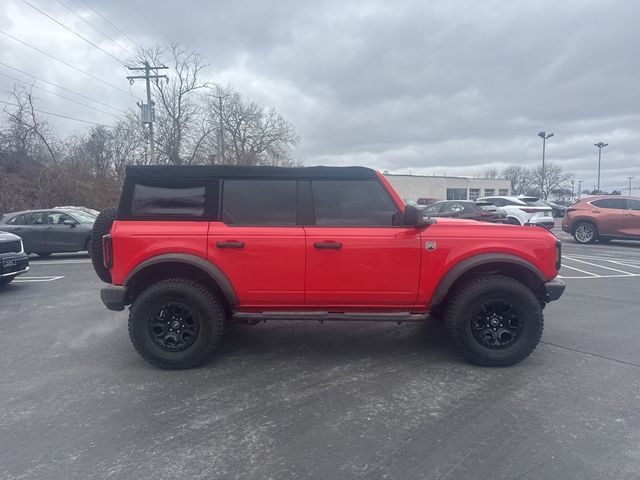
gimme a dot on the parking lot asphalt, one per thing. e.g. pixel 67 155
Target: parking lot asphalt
pixel 332 401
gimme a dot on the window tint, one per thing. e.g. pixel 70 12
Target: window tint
pixel 633 204
pixel 186 201
pixel 610 203
pixel 352 202
pixel 260 202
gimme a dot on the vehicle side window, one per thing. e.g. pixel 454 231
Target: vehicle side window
pixel 498 202
pixel 260 202
pixel 17 220
pixel 619 203
pixel 453 207
pixel 352 203
pixel 633 204
pixel 57 218
pixel 435 208
pixel 165 201
pixel 26 219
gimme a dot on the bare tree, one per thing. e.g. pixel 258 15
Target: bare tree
pixel 491 173
pixel 520 178
pixel 554 178
pixel 247 133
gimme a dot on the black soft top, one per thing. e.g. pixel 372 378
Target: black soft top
pixel 235 171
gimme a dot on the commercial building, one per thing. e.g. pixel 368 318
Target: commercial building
pixel 412 187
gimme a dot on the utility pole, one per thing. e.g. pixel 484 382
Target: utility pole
pixel 600 146
pixel 572 184
pixel 579 189
pixel 630 178
pixel 147 111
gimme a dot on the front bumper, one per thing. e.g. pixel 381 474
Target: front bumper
pixel 114 297
pixel 18 265
pixel 555 289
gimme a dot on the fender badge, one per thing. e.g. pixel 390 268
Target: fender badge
pixel 431 246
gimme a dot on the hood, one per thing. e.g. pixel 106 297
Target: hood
pixel 8 237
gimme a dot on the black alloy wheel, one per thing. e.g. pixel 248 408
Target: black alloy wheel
pixel 496 324
pixel 173 327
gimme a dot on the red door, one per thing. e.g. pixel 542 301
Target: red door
pixel 265 265
pixel 361 267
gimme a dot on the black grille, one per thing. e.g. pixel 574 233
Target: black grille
pixel 8 247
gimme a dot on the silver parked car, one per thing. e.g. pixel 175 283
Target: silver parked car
pixel 50 231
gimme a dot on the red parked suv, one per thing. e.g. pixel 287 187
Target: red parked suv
pixel 193 248
pixel 603 218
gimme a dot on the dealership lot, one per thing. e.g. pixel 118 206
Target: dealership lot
pixel 304 400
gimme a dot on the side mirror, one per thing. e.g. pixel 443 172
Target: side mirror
pixel 414 215
pixel 71 223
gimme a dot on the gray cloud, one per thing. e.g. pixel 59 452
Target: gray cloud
pixel 433 87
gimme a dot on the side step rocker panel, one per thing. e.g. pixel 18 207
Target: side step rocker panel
pixel 327 316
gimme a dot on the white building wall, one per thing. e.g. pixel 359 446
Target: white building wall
pixel 412 187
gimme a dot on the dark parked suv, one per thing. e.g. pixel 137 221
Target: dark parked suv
pixel 603 218
pixel 13 260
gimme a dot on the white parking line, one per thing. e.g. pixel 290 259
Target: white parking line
pixel 599 266
pixel 581 271
pixel 37 279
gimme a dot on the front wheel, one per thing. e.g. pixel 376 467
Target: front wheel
pixel 176 323
pixel 494 321
pixel 585 232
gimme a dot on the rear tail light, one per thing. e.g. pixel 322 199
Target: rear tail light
pixel 530 210
pixel 107 250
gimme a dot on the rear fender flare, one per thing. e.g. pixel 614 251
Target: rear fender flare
pixel 209 268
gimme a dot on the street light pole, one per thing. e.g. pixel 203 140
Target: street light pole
pixel 600 146
pixel 630 178
pixel 544 137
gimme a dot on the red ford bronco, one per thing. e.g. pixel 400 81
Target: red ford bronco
pixel 192 248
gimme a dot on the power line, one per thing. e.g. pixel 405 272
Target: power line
pixel 114 26
pixel 147 19
pixel 65 63
pixel 94 27
pixel 61 87
pixel 61 96
pixel 72 31
pixel 58 115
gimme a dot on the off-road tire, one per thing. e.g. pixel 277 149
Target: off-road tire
pixel 101 227
pixel 204 305
pixel 585 233
pixel 467 301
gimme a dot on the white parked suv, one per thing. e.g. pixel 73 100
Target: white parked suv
pixel 523 210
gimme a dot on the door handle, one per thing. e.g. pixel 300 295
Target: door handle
pixel 230 244
pixel 328 245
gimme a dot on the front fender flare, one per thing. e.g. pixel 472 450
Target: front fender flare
pixel 467 264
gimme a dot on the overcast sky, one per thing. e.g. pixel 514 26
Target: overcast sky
pixel 434 87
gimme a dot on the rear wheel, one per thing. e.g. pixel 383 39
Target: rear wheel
pixel 494 321
pixel 176 323
pixel 585 232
